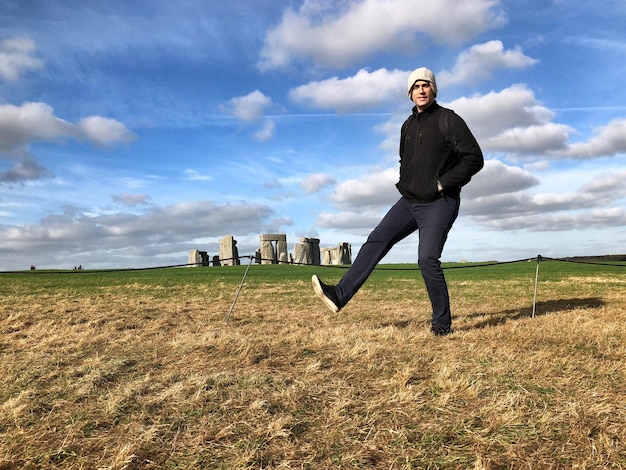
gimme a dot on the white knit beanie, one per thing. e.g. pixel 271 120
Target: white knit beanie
pixel 422 74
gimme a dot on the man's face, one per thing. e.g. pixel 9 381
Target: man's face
pixel 422 94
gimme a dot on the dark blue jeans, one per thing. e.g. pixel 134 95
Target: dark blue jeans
pixel 433 220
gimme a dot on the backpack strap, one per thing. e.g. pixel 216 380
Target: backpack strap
pixel 444 123
pixel 444 128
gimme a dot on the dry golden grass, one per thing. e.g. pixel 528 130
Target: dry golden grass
pixel 145 373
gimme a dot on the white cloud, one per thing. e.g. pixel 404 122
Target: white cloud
pixel 249 107
pixel 512 121
pixel 252 107
pixel 365 89
pixel 609 140
pixel 493 113
pixel 537 166
pixel 266 132
pixel 607 186
pixel 480 60
pixel 31 122
pixel 35 122
pixel 353 30
pixel 22 126
pixel 359 222
pixel 533 140
pixel 316 182
pixel 373 189
pixel 499 178
pixel 104 131
pixel 16 58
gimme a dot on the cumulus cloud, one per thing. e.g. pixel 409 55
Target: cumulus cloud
pixel 374 189
pixel 499 178
pixel 31 122
pixel 104 131
pixel 249 107
pixel 316 182
pixel 21 126
pixel 353 92
pixel 531 140
pixel 608 141
pixel 607 186
pixel 491 114
pixel 480 60
pixel 34 122
pixel 358 222
pixel 352 30
pixel 16 58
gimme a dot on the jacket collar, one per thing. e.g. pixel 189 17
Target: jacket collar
pixel 428 111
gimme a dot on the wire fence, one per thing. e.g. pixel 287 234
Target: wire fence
pixel 620 263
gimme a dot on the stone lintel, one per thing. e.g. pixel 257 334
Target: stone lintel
pixel 273 237
pixel 310 240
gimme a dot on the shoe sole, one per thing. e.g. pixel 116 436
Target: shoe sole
pixel 320 293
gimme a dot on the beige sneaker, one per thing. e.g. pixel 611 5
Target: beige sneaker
pixel 327 293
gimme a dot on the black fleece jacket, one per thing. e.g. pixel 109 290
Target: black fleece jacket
pixel 426 157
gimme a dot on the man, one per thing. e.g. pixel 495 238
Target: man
pixel 433 168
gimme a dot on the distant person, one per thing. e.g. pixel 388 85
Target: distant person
pixel 438 155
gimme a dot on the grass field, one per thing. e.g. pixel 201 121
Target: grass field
pixel 140 370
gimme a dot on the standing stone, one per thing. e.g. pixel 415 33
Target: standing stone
pixel 195 259
pixel 281 252
pixel 315 250
pixel 328 256
pixel 268 255
pixel 344 255
pixel 236 259
pixel 300 255
pixel 198 258
pixel 341 254
pixel 229 255
pixel 216 261
pixel 307 251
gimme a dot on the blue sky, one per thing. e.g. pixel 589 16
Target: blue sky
pixel 133 132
